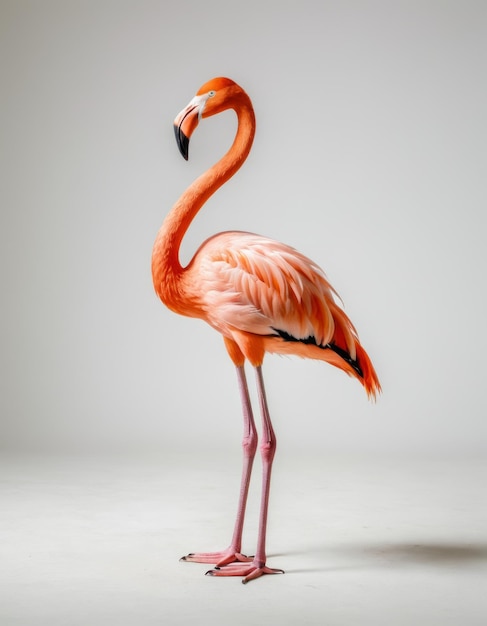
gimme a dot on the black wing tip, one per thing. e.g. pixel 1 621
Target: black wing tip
pixel 346 357
pixel 329 346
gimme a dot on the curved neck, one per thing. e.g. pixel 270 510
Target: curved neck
pixel 166 267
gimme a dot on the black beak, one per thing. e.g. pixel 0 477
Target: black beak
pixel 182 141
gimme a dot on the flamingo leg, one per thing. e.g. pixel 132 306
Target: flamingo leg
pixel 249 445
pixel 257 566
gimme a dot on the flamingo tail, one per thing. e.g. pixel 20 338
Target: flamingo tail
pixel 359 367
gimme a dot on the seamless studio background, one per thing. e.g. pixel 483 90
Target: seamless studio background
pixel 369 158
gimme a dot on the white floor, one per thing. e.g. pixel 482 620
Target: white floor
pixel 96 541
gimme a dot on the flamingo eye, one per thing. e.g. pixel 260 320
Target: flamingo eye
pixel 211 93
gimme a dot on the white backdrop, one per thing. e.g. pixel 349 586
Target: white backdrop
pixel 369 157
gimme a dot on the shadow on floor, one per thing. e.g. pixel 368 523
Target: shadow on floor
pixel 431 553
pixel 428 554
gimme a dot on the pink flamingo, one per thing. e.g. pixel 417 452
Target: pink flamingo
pixel 261 295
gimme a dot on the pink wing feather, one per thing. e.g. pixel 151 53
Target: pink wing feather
pixel 257 285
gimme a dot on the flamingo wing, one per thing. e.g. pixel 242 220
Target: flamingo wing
pixel 257 285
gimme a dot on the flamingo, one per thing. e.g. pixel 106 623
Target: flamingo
pixel 261 295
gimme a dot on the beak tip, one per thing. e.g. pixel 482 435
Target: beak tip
pixel 182 141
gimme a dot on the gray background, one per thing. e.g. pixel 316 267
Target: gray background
pixel 369 158
pixel 120 421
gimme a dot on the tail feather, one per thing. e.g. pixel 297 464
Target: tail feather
pixel 360 367
pixel 345 337
pixel 369 379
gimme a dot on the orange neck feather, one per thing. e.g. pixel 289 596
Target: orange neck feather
pixel 167 271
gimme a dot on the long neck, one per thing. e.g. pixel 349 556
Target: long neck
pixel 167 271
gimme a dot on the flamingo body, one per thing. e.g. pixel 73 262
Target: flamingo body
pixel 257 291
pixel 259 294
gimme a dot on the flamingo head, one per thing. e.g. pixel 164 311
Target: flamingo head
pixel 213 97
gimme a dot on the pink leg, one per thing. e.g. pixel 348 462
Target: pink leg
pixel 257 567
pixel 249 445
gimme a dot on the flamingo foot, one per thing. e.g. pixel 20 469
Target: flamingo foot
pixel 219 559
pixel 249 571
